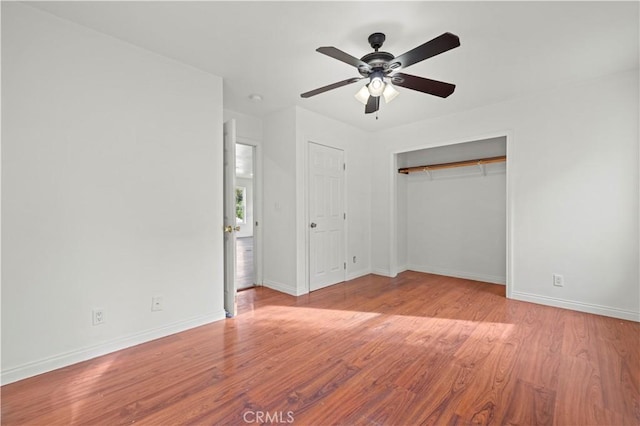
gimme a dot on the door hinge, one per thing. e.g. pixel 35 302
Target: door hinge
pixel 344 215
pixel 344 166
pixel 345 265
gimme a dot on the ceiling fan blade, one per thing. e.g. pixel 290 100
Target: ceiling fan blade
pixel 342 56
pixel 438 45
pixel 425 85
pixel 373 104
pixel 330 86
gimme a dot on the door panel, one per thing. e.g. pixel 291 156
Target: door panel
pixel 230 217
pixel 326 214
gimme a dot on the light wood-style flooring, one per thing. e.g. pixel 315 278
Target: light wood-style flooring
pixel 416 349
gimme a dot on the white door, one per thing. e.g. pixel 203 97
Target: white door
pixel 326 216
pixel 230 226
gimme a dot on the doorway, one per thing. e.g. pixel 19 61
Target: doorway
pixel 241 214
pixel 245 197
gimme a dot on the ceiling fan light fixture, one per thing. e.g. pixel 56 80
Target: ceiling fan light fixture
pixel 389 93
pixel 363 95
pixel 377 84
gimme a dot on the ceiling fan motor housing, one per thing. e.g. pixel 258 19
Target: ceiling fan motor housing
pixel 378 61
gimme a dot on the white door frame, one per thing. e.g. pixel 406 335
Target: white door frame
pixel 257 207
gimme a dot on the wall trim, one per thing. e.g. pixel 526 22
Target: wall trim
pixel 73 357
pixel 493 279
pixel 402 268
pixel 382 272
pixel 590 308
pixel 358 274
pixel 282 288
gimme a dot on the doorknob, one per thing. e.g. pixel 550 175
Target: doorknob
pixel 230 228
pixel 237 228
pixel 313 225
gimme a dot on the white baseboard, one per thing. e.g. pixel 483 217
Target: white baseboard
pixel 63 360
pixel 458 274
pixel 577 306
pixel 282 288
pixel 358 274
pixel 402 268
pixel 382 272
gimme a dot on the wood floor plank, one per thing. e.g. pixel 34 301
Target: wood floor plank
pixel 542 366
pixel 530 405
pixel 415 349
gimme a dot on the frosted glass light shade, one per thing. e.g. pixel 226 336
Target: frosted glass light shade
pixel 389 93
pixel 363 95
pixel 376 87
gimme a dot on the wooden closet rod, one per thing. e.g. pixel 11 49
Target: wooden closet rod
pixel 429 167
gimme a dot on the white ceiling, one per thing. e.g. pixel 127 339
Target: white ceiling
pixel 508 49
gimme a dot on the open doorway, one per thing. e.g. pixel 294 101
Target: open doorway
pixel 245 216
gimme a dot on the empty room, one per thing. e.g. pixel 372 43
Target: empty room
pixel 368 212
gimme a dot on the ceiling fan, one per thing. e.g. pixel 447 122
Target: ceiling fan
pixel 381 70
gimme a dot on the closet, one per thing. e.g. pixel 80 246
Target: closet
pixel 451 213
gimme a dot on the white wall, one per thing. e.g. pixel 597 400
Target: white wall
pixel 573 186
pixel 286 137
pixel 111 193
pixel 402 221
pixel 248 128
pixel 457 223
pixel 279 201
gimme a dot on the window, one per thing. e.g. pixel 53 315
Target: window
pixel 241 204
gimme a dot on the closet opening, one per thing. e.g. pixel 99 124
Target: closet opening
pixel 452 215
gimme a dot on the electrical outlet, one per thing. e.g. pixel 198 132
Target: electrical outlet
pixel 98 316
pixel 558 280
pixel 157 303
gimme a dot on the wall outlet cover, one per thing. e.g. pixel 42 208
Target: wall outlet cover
pixel 558 280
pixel 98 316
pixel 157 303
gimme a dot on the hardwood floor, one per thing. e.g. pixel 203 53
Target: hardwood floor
pixel 417 349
